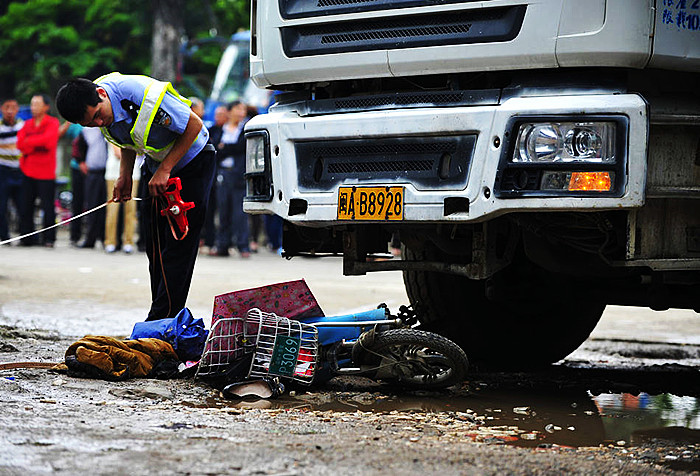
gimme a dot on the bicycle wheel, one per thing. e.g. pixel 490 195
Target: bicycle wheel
pixel 413 358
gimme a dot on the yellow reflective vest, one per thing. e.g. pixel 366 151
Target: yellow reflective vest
pixel 152 98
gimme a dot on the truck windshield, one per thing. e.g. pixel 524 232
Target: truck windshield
pixel 232 74
pixel 232 80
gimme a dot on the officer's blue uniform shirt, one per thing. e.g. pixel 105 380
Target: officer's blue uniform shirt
pixel 126 93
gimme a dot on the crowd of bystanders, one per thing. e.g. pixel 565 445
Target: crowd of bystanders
pixel 28 166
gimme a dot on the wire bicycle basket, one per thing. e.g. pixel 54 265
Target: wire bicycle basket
pixel 283 347
pixel 226 343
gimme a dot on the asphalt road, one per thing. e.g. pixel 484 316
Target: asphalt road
pixel 78 291
pixel 606 409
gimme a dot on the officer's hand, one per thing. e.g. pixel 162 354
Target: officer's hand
pixel 122 189
pixel 158 183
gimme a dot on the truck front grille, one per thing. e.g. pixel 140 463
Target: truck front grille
pixel 403 100
pixel 389 166
pixel 313 8
pixel 411 31
pixel 426 162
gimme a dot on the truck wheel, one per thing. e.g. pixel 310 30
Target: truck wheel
pixel 544 323
pixel 413 358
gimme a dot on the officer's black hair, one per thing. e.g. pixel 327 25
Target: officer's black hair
pixel 74 97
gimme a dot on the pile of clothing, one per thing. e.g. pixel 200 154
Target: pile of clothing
pixel 164 348
pixel 110 358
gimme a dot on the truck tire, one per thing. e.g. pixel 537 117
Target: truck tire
pixel 540 329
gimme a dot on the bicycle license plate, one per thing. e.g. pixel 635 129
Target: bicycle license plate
pixel 370 203
pixel 284 356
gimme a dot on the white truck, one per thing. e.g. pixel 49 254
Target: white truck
pixel 538 159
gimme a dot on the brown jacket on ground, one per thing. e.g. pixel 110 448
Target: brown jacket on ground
pixel 121 359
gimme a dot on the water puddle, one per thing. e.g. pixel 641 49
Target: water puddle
pixel 521 418
pixel 646 416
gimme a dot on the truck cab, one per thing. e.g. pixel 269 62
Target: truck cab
pixel 537 159
pixel 232 79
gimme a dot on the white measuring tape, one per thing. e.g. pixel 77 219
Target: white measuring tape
pixel 17 238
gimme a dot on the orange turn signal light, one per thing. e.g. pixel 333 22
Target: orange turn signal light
pixel 590 182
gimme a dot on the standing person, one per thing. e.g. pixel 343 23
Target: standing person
pixel 255 225
pixel 217 130
pixel 77 180
pixel 95 185
pixel 143 115
pixel 197 106
pixel 231 184
pixel 215 133
pixel 274 226
pixel 10 175
pixel 37 140
pixel 130 220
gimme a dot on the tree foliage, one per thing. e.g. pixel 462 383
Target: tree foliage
pixel 45 42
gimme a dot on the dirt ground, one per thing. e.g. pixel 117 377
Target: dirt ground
pixel 54 424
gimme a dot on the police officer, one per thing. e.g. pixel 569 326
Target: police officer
pixel 144 115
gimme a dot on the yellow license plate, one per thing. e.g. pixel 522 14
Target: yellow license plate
pixel 370 203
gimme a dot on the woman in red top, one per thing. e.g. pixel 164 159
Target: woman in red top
pixel 37 141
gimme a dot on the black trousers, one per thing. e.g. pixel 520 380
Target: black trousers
pixel 95 195
pixel 210 219
pixel 46 191
pixel 171 261
pixel 10 189
pixel 78 205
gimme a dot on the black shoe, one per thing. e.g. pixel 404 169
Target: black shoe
pixel 85 244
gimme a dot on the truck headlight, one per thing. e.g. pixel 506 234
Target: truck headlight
pixel 258 174
pixel 592 142
pixel 256 151
pixel 561 156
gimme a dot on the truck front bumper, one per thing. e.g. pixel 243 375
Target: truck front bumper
pixel 303 192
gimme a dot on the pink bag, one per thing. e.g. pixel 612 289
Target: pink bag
pixel 292 300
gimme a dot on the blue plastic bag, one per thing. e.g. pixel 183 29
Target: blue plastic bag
pixel 186 334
